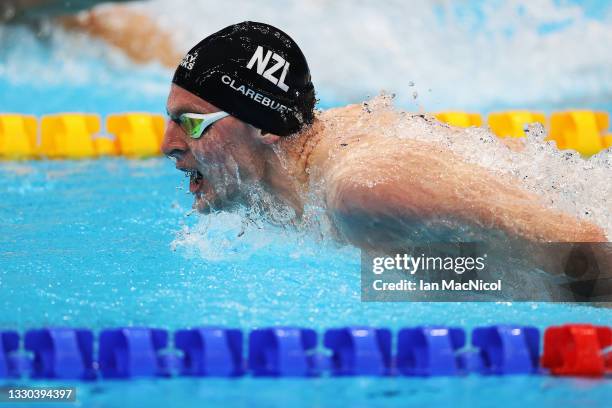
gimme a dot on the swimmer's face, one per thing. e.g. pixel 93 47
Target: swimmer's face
pixel 222 163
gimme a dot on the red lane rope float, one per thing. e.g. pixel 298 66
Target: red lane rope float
pixel 577 349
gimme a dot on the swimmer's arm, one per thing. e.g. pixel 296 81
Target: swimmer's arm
pixel 373 220
pixel 139 36
pixel 433 192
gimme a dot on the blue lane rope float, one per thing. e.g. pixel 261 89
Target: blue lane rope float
pixel 132 352
pixel 136 352
pixel 359 350
pixel 430 351
pixel 507 349
pixel 210 351
pixel 61 353
pixel 283 352
pixel 9 344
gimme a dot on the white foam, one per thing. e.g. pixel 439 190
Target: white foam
pixel 240 236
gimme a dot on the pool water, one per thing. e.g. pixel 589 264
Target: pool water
pixel 342 392
pixel 112 242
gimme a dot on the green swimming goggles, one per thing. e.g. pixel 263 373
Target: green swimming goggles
pixel 195 124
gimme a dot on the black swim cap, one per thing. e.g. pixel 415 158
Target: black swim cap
pixel 254 72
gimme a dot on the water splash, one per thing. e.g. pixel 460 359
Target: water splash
pixel 263 224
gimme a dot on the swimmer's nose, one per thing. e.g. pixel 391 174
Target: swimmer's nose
pixel 174 145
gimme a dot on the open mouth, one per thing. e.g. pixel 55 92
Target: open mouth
pixel 201 190
pixel 196 180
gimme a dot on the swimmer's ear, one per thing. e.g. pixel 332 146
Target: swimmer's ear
pixel 268 138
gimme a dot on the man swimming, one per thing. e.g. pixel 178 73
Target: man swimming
pixel 242 114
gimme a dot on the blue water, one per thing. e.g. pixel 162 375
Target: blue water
pixel 345 392
pixel 99 243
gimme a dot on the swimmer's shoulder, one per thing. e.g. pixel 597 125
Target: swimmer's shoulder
pixel 347 111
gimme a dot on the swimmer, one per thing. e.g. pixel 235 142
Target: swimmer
pixel 242 113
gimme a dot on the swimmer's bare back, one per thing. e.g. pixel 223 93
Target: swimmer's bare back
pixel 381 190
